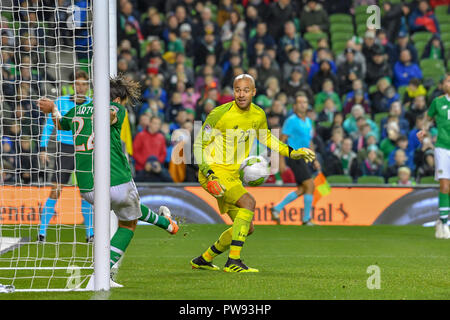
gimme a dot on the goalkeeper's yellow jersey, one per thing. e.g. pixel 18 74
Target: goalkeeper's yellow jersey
pixel 228 134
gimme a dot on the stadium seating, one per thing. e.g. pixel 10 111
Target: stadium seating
pixel 422 36
pixel 370 180
pixel 339 179
pixel 342 28
pixel 432 69
pixel 380 116
pixel 428 180
pixel 340 18
pixel 312 38
pixel 392 180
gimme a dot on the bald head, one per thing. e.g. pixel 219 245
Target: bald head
pixel 244 90
pixel 243 77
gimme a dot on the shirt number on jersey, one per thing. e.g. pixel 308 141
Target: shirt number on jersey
pixel 89 145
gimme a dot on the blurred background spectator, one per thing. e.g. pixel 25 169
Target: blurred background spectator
pixel 368 89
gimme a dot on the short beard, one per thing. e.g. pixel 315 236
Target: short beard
pixel 245 107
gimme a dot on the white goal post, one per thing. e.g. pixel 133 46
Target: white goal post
pixel 43 44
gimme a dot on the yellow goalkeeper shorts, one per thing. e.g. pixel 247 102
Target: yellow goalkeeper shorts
pixel 234 189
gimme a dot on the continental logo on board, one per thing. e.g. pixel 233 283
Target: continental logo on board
pixel 24 205
pixel 343 206
pixel 329 213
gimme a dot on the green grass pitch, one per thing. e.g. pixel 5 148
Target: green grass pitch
pixel 295 263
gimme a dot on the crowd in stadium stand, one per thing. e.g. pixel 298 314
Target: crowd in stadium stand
pixel 368 89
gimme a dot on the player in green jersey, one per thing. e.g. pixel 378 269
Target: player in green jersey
pixel 125 201
pixel 439 111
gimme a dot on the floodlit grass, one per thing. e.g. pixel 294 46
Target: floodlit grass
pixel 294 262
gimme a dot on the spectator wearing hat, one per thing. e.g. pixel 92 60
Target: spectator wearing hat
pixel 314 18
pixel 403 42
pixel 187 40
pixel 405 69
pixel 295 83
pixel 370 46
pixel 325 72
pixel 349 71
pixel 356 44
pixel 377 68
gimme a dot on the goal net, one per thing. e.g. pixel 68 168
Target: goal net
pixel 43 47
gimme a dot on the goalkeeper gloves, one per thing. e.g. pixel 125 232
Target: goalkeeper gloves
pixel 214 186
pixel 303 153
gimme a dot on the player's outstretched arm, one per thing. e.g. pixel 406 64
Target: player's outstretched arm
pixel 269 140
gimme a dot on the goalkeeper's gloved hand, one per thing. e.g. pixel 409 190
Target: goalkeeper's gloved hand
pixel 303 153
pixel 214 186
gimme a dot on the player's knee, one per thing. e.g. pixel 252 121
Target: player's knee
pixel 247 201
pixel 251 203
pixel 445 187
pixel 308 186
pixel 131 225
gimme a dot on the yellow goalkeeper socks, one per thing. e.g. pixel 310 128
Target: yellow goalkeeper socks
pixel 241 225
pixel 219 246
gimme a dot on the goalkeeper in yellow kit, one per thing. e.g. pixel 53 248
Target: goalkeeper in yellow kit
pixel 224 142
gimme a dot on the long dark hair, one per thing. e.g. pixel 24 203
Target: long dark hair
pixel 124 88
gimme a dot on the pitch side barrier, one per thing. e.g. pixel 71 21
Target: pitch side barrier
pixel 347 204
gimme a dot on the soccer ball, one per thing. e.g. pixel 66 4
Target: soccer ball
pixel 254 171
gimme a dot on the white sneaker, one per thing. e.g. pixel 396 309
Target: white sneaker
pixel 442 230
pixel 165 212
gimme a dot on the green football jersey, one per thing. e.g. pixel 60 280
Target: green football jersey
pixel 440 111
pixel 80 121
